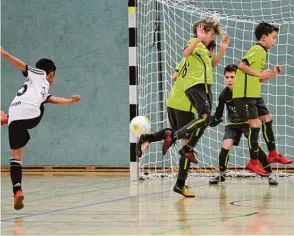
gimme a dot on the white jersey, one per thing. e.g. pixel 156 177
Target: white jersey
pixel 29 98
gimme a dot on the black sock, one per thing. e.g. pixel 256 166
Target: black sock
pixel 157 136
pixel 223 159
pixel 263 160
pixel 268 135
pixel 253 143
pixel 15 174
pixel 184 166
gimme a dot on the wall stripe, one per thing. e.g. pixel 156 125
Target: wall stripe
pixel 134 164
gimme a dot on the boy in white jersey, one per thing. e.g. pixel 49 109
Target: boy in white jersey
pixel 26 111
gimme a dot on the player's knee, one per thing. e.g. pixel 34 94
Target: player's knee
pixel 266 118
pixel 255 123
pixel 206 118
pixel 184 141
pixel 16 154
pixel 228 144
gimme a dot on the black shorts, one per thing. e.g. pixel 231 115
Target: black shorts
pixel 18 131
pixel 250 108
pixel 235 132
pixel 199 99
pixel 178 119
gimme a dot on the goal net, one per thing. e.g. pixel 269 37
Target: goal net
pixel 164 26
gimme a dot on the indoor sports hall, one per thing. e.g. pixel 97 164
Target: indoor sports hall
pixel 80 172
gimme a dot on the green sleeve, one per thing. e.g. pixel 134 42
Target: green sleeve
pixel 200 49
pixel 254 55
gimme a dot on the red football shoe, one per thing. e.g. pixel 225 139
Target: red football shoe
pixel 255 166
pixel 278 158
pixel 18 200
pixel 189 155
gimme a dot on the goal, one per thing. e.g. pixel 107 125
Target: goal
pixel 163 28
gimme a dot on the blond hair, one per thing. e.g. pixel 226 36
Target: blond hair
pixel 209 24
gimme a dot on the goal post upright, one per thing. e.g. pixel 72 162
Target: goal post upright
pixel 133 70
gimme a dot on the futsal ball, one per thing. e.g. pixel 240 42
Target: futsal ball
pixel 140 125
pixel 4 118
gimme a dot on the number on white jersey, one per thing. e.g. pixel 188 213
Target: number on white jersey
pixel 30 96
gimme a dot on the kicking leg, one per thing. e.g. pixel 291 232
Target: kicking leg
pixel 200 99
pixel 146 139
pixel 187 150
pixel 187 130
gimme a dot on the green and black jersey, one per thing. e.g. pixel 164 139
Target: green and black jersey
pixel 197 68
pixel 226 99
pixel 177 98
pixel 246 85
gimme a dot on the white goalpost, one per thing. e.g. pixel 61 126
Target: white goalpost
pixel 163 28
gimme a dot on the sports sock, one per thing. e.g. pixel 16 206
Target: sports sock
pixel 184 166
pixel 268 134
pixel 223 159
pixel 253 143
pixel 16 174
pixel 263 160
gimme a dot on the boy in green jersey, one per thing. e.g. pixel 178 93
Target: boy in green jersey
pixel 247 96
pixel 180 113
pixel 197 78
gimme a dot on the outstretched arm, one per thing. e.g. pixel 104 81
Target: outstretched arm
pixel 217 117
pixel 64 101
pixel 200 35
pixel 223 47
pixel 14 61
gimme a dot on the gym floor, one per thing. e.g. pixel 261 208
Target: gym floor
pixel 87 204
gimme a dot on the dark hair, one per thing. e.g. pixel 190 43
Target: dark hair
pixel 211 45
pixel 46 64
pixel 230 68
pixel 264 29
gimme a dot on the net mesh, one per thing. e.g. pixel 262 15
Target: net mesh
pixel 164 26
